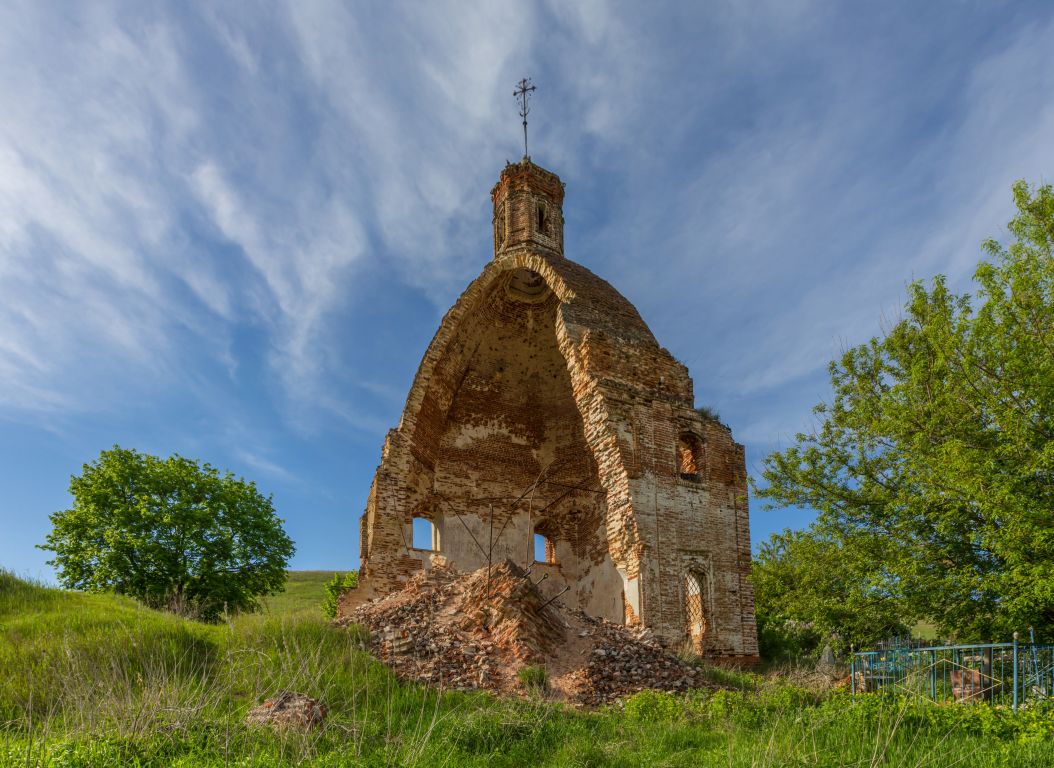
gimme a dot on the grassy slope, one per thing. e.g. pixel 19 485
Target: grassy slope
pixel 100 681
pixel 303 594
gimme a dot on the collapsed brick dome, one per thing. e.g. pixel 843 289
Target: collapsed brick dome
pixel 545 412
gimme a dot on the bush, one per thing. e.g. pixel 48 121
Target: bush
pixel 654 707
pixel 337 586
pixel 782 640
pixel 534 678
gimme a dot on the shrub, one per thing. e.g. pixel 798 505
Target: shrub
pixel 336 587
pixel 654 707
pixel 534 678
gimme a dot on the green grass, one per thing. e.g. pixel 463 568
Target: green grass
pixel 304 591
pixel 100 681
pixel 926 631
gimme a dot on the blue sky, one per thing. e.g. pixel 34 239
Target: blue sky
pixel 230 230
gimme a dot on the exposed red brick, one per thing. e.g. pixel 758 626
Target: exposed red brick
pixel 543 376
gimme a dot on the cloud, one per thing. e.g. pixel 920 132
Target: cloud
pixel 78 215
pixel 231 229
pixel 181 190
pixel 760 251
pixel 264 465
pixel 115 189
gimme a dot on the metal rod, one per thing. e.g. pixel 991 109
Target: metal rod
pixel 933 675
pixel 1015 671
pixel 852 669
pixel 565 589
pixel 490 549
pixel 463 523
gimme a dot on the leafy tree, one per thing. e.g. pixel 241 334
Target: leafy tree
pixel 809 592
pixel 170 532
pixel 932 469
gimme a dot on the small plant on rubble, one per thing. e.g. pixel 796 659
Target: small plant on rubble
pixel 534 678
pixel 336 587
pixel 708 413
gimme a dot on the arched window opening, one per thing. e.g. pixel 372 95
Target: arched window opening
pixel 695 615
pixel 499 226
pixel 544 549
pixel 689 456
pixel 541 220
pixel 425 535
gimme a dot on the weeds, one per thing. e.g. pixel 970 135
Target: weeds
pixel 88 680
pixel 534 678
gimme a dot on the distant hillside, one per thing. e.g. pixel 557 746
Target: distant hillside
pixel 303 593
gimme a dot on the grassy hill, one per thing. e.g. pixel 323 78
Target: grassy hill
pixel 97 680
pixel 303 593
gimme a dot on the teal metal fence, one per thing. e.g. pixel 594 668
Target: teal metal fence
pixel 998 673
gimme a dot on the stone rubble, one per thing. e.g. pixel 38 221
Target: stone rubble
pixel 476 631
pixel 288 709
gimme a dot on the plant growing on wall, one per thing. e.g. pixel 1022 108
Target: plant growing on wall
pixel 336 587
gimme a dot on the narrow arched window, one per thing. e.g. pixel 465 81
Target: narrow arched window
pixel 689 456
pixel 425 535
pixel 541 220
pixel 694 613
pixel 499 227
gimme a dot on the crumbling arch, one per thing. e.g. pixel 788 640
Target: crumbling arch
pixel 584 316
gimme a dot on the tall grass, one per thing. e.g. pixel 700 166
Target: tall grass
pixel 99 681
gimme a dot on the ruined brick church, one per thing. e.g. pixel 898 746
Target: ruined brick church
pixel 545 412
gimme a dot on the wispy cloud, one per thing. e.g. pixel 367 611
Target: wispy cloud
pixel 266 466
pixel 229 226
pixel 115 188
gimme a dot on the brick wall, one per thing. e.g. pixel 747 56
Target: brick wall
pixel 544 404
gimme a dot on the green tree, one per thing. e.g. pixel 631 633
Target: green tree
pixel 933 466
pixel 170 532
pixel 809 592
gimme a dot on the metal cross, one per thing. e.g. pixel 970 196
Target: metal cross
pixel 523 93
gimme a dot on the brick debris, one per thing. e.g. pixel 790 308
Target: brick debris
pixel 477 630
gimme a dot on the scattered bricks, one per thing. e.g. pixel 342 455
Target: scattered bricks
pixel 288 710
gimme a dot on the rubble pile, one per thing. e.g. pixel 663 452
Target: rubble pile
pixel 478 630
pixel 288 709
pixel 624 660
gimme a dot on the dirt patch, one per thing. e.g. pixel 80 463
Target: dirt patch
pixel 477 630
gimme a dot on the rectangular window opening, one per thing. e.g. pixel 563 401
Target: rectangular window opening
pixel 544 551
pixel 424 535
